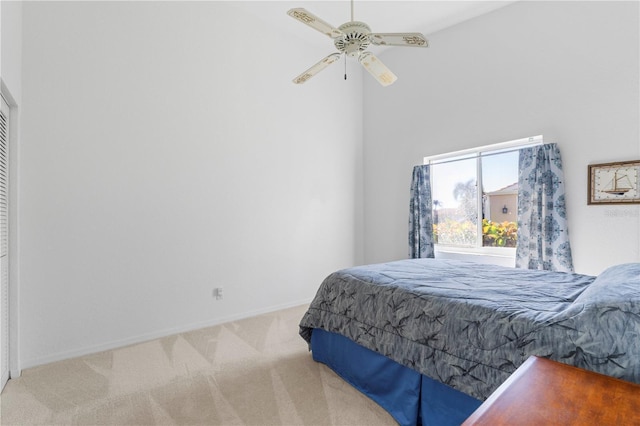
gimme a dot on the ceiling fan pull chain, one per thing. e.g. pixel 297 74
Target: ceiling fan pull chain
pixel 345 67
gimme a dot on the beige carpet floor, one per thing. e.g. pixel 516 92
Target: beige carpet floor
pixel 255 371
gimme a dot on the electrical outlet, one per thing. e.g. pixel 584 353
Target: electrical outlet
pixel 217 293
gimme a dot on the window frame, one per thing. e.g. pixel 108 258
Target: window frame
pixel 477 153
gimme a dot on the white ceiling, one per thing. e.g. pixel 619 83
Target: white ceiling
pixel 426 17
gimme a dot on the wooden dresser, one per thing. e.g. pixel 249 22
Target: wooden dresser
pixel 544 392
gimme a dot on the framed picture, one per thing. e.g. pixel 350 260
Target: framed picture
pixel 614 183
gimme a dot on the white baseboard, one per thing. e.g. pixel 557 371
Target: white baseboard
pixel 34 362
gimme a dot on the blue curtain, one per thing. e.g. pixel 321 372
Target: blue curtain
pixel 543 234
pixel 420 221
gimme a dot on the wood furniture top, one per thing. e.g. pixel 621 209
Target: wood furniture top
pixel 545 392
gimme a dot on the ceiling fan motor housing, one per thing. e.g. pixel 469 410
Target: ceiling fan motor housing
pixel 355 38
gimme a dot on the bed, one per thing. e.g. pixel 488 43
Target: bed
pixel 429 339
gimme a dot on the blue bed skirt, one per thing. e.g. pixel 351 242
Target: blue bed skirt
pixel 411 398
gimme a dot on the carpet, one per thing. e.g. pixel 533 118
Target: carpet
pixel 255 371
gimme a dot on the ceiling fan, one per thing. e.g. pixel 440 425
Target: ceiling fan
pixel 352 39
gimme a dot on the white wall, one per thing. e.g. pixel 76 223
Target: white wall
pixel 166 152
pixel 11 47
pixel 567 70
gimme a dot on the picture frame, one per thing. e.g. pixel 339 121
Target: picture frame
pixel 614 183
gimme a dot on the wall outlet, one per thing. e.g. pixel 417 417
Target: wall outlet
pixel 217 293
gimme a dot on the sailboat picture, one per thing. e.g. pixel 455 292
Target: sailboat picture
pixel 615 188
pixel 614 183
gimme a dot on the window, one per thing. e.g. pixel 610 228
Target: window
pixel 454 186
pixel 475 196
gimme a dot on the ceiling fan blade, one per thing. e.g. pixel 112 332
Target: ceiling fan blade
pixel 317 68
pixel 377 69
pixel 399 39
pixel 314 22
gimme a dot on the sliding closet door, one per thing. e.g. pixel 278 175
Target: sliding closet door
pixel 4 244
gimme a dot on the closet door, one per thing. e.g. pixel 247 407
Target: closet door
pixel 4 243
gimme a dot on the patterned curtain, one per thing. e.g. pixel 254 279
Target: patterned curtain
pixel 420 222
pixel 543 234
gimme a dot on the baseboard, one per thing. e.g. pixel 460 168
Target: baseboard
pixel 29 363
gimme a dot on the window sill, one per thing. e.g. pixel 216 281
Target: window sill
pixel 492 255
pixel 486 251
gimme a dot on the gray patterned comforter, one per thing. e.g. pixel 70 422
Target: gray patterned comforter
pixel 471 325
